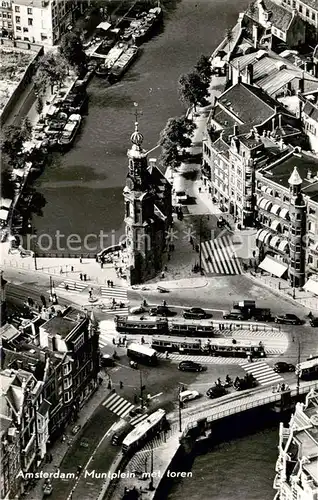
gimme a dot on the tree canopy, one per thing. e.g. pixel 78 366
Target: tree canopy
pixel 6 185
pixel 173 138
pixel 203 67
pixel 71 48
pixel 52 70
pixel 192 89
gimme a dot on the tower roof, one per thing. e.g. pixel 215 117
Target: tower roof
pixel 295 178
pixel 136 137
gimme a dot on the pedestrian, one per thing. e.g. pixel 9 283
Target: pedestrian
pixel 142 340
pixel 85 277
pixel 167 354
pixel 135 399
pixel 90 293
pixel 108 283
pixel 124 339
pixel 61 271
pixel 112 284
pixel 199 190
pixel 162 275
pixel 121 385
pixel 81 276
pixel 72 268
pixel 114 341
pixel 109 385
pixel 164 303
pixel 101 265
pixel 113 301
pixel 81 260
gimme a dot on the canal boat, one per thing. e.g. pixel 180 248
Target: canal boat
pixel 123 63
pixel 148 23
pixel 113 55
pixel 70 130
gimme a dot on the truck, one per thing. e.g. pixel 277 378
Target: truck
pixel 249 310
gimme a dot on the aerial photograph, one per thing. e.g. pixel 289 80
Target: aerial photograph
pixel 159 249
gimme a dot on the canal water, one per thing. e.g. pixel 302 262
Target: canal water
pixel 83 188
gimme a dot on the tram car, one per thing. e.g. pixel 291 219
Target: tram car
pixel 215 347
pixel 146 325
pixel 144 431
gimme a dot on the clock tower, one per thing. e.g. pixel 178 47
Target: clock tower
pixel 139 198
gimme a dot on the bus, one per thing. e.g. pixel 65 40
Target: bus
pixel 144 431
pixel 146 325
pixel 216 347
pixel 142 353
pixel 308 370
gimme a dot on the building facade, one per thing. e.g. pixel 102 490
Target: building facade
pixel 297 464
pixel 6 22
pixel 148 214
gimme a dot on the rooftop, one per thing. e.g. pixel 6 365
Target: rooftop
pixel 63 325
pixel 279 17
pixel 304 163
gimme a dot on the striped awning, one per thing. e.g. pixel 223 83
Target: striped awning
pixel 274 224
pixel 275 242
pixel 265 204
pixel 263 235
pixel 284 213
pixel 282 247
pixel 275 209
pixel 273 266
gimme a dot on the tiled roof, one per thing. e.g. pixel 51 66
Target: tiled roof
pixel 223 118
pixel 311 3
pixel 272 83
pixel 279 17
pixel 249 104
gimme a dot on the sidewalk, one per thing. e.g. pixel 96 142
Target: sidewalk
pixel 59 448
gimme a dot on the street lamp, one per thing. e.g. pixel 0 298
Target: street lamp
pixel 298 374
pixel 200 241
pixel 180 408
pixel 142 388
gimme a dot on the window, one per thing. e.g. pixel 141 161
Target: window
pixel 312 211
pixel 43 37
pixel 25 30
pixel 29 11
pixel 18 28
pixel 30 21
pixel 310 259
pixel 300 9
pixel 9 25
pixel 17 19
pixel 307 12
pixel 294 4
pixel 4 15
pixel 313 16
pixel 9 16
pixel 79 342
pixel 17 9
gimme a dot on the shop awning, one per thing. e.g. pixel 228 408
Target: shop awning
pixel 311 286
pixel 282 247
pixel 275 224
pixel 275 209
pixel 284 213
pixel 263 235
pixel 273 266
pixel 265 204
pixel 275 241
pixel 4 214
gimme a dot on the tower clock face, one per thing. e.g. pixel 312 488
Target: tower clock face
pixel 130 183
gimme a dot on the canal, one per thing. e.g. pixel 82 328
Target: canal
pixel 83 188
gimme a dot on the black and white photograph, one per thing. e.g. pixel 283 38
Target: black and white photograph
pixel 159 249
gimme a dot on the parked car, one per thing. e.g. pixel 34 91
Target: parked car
pixel 313 321
pixel 190 366
pixel 234 314
pixel 216 391
pixel 195 313
pixel 288 319
pixel 181 196
pixel 106 360
pixel 161 311
pixel 138 310
pixel 75 429
pixel 282 366
pixel 188 396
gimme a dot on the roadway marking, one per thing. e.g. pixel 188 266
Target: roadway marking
pixel 156 395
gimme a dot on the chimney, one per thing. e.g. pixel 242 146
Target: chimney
pixel 249 74
pixel 235 129
pixel 281 144
pixel 309 174
pixel 152 162
pixel 280 121
pixel 273 124
pixel 255 36
pixel 301 84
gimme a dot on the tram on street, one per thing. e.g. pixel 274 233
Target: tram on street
pixel 142 353
pixel 216 347
pixel 144 431
pixel 142 325
pixel 308 370
pixel 192 328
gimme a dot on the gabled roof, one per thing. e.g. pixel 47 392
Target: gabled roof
pixel 279 16
pixel 311 111
pixel 248 103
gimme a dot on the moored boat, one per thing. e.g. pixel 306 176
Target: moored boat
pixel 70 130
pixel 147 24
pixel 111 58
pixel 122 64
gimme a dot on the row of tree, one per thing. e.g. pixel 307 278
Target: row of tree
pixel 193 90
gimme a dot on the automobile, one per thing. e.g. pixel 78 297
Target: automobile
pixel 161 311
pixel 75 429
pixel 216 391
pixel 106 360
pixel 282 366
pixel 195 313
pixel 190 366
pixel 138 310
pixel 288 319
pixel 188 396
pixel 236 315
pixel 313 321
pixel 181 196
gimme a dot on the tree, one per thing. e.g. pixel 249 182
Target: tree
pixel 71 48
pixel 7 185
pixel 203 67
pixel 39 105
pixel 26 129
pixel 178 131
pixel 12 141
pixel 170 156
pixel 192 90
pixel 229 35
pixel 52 70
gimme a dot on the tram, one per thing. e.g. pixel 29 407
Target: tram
pixel 143 325
pixel 142 353
pixel 144 431
pixel 308 370
pixel 216 347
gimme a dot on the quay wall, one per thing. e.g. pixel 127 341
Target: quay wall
pixel 26 77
